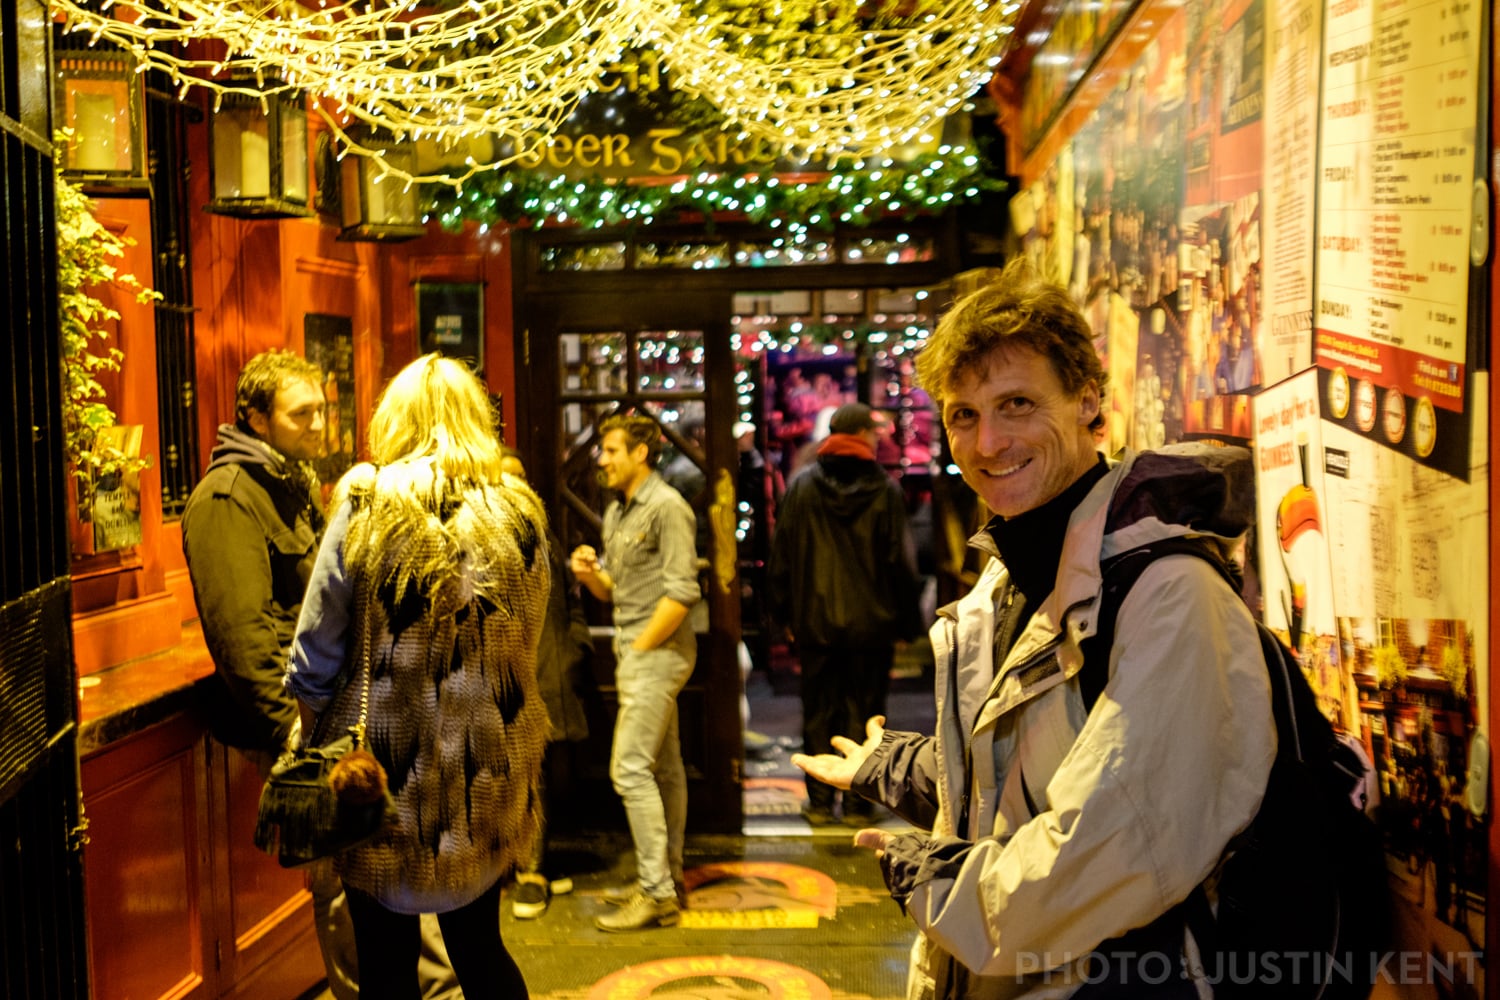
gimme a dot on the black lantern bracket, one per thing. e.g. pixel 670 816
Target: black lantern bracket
pixel 259 164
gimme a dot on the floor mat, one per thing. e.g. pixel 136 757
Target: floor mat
pixel 804 917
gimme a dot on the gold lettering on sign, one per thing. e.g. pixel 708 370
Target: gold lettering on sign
pixel 667 158
pixel 666 152
pixel 588 150
pixel 640 72
pixel 617 150
pixel 719 149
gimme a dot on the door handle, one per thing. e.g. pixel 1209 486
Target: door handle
pixel 721 518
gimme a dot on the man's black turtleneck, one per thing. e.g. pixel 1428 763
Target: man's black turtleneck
pixel 1031 543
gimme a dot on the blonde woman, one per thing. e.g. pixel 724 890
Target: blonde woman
pixel 434 574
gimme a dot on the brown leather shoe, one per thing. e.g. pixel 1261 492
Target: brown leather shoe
pixel 640 913
pixel 619 895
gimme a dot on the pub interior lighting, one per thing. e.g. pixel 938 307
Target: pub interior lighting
pixel 833 78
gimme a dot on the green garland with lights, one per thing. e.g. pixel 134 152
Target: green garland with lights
pixel 854 194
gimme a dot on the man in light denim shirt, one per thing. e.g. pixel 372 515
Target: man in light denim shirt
pixel 652 580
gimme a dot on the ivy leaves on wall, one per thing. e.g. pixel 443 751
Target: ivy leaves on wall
pixel 86 250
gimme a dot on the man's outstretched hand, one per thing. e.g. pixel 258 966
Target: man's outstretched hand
pixel 838 769
pixel 873 838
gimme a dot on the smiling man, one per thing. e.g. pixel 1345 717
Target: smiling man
pixel 1069 811
pixel 652 578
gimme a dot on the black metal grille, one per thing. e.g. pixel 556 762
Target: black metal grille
pixel 42 927
pixel 33 534
pixel 32 649
pixel 43 950
pixel 166 130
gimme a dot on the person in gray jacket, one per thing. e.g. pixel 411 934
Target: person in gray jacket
pixel 1062 826
pixel 651 578
pixel 250 533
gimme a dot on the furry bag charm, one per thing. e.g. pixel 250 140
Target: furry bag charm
pixel 320 801
pixel 357 779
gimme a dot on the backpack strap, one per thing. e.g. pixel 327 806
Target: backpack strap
pixel 1120 574
pixel 1292 703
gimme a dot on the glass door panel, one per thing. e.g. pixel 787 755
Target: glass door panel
pixel 592 363
pixel 670 362
pixel 661 371
pixel 658 373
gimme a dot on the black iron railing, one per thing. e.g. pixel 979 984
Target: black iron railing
pixel 43 951
pixel 166 131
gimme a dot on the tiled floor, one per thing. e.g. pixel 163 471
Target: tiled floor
pixel 801 916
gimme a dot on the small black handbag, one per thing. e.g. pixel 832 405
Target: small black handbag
pixel 321 800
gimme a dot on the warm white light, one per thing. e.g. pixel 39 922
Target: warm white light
pixel 514 70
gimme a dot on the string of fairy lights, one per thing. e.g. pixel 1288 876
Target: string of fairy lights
pixel 828 78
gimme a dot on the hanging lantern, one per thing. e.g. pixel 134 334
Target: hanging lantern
pixel 259 166
pixel 98 96
pixel 378 206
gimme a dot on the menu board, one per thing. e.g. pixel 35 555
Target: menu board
pixel 1397 138
pixel 1289 186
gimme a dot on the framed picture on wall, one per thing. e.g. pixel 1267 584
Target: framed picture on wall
pixel 328 342
pixel 450 320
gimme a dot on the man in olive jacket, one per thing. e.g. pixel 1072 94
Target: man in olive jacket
pixel 843 579
pixel 250 533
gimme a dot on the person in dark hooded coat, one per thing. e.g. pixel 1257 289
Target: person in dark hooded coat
pixel 250 534
pixel 843 580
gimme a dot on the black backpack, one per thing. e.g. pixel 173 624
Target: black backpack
pixel 1303 897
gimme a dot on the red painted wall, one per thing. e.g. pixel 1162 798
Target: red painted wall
pixel 253 283
pixel 464 257
pixel 122 609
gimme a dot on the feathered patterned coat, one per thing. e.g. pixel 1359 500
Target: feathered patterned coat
pixel 441 587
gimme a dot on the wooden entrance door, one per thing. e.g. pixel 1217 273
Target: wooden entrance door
pixel 583 357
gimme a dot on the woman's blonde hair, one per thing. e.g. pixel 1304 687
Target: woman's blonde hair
pixel 435 408
pixel 434 450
